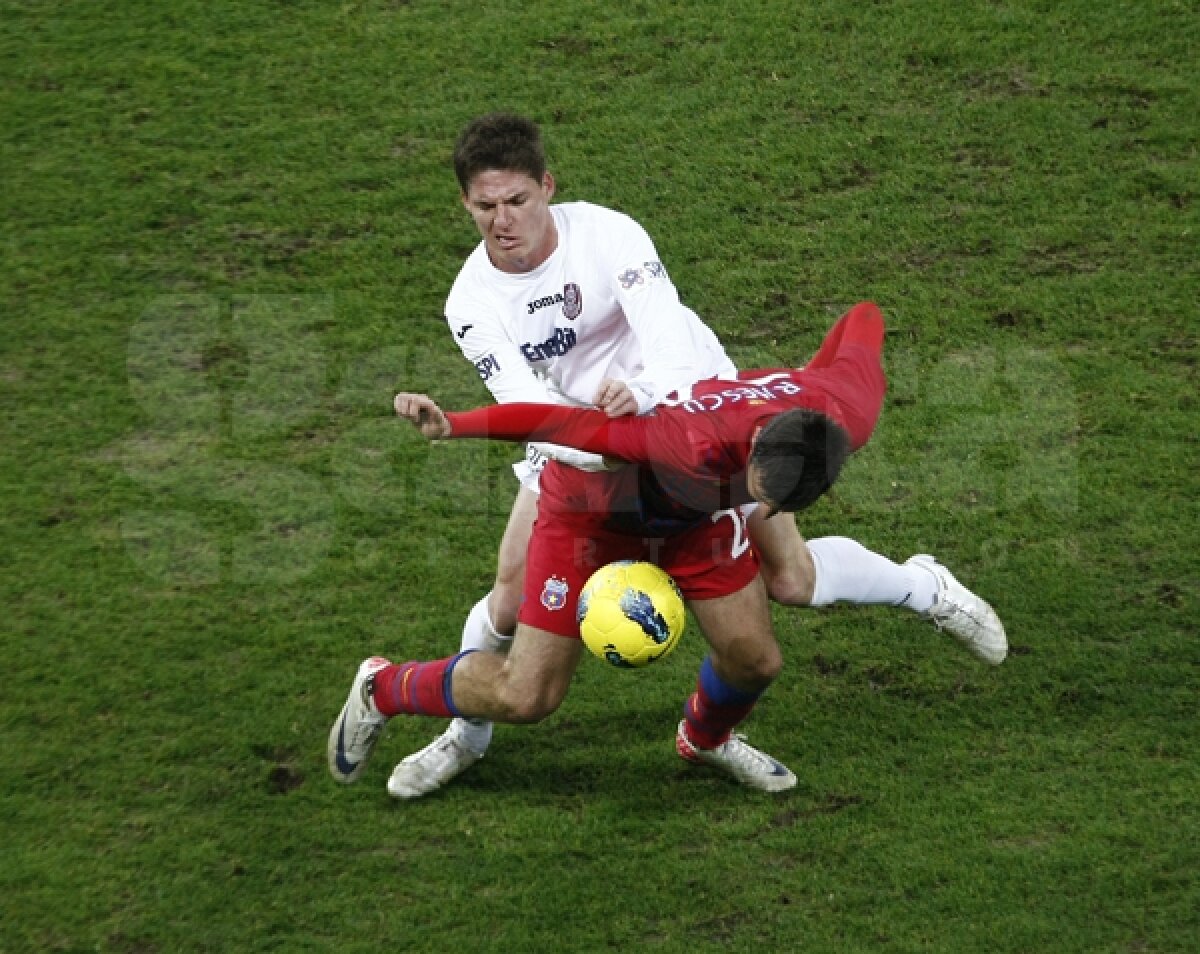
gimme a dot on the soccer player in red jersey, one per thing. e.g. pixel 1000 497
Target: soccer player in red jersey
pixel 778 437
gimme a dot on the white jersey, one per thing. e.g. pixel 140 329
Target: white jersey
pixel 601 306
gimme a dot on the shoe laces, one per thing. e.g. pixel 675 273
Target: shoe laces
pixel 950 610
pixel 446 750
pixel 367 730
pixel 742 752
pixel 369 724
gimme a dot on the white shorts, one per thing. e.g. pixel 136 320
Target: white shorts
pixel 530 469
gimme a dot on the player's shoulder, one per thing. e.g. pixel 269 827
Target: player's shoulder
pixel 471 284
pixel 596 215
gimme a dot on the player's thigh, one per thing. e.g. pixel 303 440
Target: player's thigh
pixel 786 565
pixel 564 550
pixel 738 629
pixel 505 598
pixel 511 557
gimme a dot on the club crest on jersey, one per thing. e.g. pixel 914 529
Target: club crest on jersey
pixel 554 593
pixel 639 277
pixel 572 301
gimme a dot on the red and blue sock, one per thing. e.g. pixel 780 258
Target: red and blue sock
pixel 715 708
pixel 417 688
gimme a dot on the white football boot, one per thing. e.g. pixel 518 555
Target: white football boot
pixel 358 726
pixel 740 759
pixel 970 619
pixel 447 756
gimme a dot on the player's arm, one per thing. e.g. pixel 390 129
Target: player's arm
pixel 861 326
pixel 674 343
pixel 583 428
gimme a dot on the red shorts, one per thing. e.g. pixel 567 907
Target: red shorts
pixel 710 559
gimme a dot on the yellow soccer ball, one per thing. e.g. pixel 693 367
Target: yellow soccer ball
pixel 630 614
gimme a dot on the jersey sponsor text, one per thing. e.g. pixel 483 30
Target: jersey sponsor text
pixel 558 344
pixel 487 366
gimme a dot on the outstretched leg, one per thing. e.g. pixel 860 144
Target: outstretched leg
pixel 523 687
pixel 489 626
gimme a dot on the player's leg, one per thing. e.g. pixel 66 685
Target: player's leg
pixel 832 569
pixel 505 598
pixel 846 571
pixel 785 563
pixel 744 660
pixel 532 680
pixel 717 570
pixel 489 626
pixel 492 620
pixel 743 650
pixel 523 687
pixel 840 570
pixel 861 326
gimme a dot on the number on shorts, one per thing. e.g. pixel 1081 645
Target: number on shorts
pixel 741 538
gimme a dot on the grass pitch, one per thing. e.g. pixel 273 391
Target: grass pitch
pixel 228 232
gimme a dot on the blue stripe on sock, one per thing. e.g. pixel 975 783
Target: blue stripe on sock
pixel 449 700
pixel 718 691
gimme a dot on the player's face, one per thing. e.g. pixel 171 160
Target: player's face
pixel 512 212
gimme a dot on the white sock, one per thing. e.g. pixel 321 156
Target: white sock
pixel 846 571
pixel 479 633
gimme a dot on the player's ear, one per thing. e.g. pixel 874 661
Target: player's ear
pixel 548 184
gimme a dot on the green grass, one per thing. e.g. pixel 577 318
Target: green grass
pixel 229 231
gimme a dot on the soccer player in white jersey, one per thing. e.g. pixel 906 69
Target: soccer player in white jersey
pixel 571 304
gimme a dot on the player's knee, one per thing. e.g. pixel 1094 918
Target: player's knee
pixel 527 708
pixel 791 585
pixel 786 563
pixel 752 667
pixel 767 665
pixel 528 695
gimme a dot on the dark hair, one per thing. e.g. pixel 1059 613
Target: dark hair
pixel 798 455
pixel 502 141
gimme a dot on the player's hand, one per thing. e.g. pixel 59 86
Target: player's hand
pixel 615 398
pixel 424 414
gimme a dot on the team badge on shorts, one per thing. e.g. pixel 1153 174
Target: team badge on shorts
pixel 554 593
pixel 572 301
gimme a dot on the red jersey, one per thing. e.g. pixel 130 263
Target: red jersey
pixel 693 453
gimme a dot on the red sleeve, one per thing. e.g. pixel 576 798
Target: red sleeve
pixel 582 428
pixel 861 325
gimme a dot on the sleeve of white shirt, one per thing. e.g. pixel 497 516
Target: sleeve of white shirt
pixel 501 366
pixel 672 338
